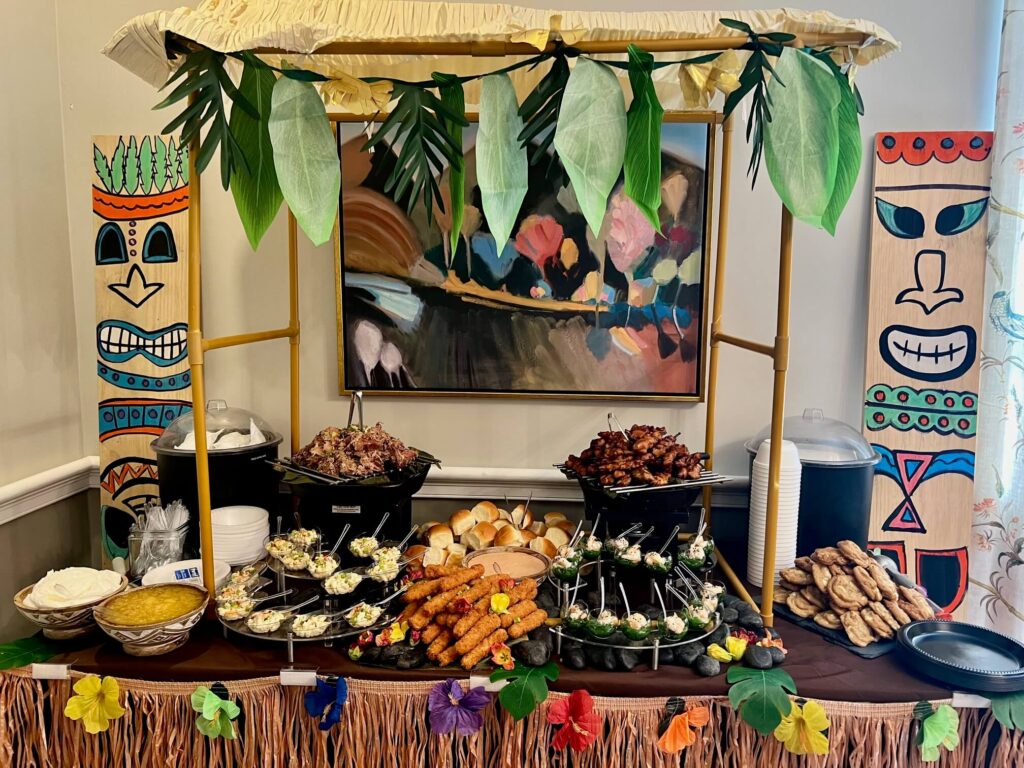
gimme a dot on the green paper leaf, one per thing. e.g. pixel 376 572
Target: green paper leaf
pixel 255 189
pixel 1009 710
pixel 591 136
pixel 940 729
pixel 227 728
pixel 305 157
pixel 643 138
pixel 27 650
pixel 801 142
pixel 527 689
pixel 211 705
pixel 117 167
pixel 501 165
pixel 760 696
pixel 146 166
pixel 453 97
pixel 131 167
pixel 209 728
pixel 99 160
pixel 199 696
pixel 848 165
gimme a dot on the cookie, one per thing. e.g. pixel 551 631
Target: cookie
pixel 828 556
pixel 845 593
pixel 828 619
pixel 836 570
pixel 897 612
pixel 804 564
pixel 858 632
pixel 799 605
pixel 781 593
pixel 866 583
pixel 791 586
pixel 796 576
pixel 876 623
pixel 914 612
pixel 885 615
pixel 918 600
pixel 814 596
pixel 821 575
pixel 884 581
pixel 853 553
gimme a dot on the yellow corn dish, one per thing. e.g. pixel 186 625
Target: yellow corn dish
pixel 151 605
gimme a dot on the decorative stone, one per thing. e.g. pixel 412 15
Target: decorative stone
pixel 687 654
pixel 412 657
pixel 778 657
pixel 757 657
pixel 705 666
pixel 533 653
pixel 572 655
pixel 730 615
pixel 627 659
pixel 719 635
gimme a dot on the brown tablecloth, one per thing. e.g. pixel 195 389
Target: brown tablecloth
pixel 821 670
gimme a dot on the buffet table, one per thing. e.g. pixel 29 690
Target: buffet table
pixel 869 703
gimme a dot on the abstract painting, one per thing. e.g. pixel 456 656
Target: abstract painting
pixel 555 311
pixel 928 235
pixel 140 198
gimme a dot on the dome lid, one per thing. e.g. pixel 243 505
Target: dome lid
pixel 227 429
pixel 821 441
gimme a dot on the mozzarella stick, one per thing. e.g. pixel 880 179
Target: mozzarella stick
pixel 518 611
pixel 477 654
pixel 442 641
pixel 467 622
pixel 408 611
pixel 464 576
pixel 447 657
pixel 528 624
pixel 420 619
pixel 438 571
pixel 483 588
pixel 438 603
pixel 524 590
pixel 421 589
pixel 480 630
pixel 431 633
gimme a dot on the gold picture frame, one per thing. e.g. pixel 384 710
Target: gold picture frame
pixel 712 121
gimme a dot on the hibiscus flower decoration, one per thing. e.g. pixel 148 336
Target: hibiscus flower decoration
pixel 452 709
pixel 326 702
pixel 500 602
pixel 96 703
pixel 501 655
pixel 581 725
pixel 802 729
pixel 680 732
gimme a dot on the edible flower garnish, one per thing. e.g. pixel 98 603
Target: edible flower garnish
pixel 501 655
pixel 500 602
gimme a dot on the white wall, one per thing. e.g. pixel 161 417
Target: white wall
pixel 943 79
pixel 40 417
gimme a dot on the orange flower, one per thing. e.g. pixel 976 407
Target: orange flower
pixel 680 732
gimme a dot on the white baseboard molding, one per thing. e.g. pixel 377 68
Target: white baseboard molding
pixel 48 487
pixel 45 488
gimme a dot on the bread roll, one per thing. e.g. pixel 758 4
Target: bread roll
pixel 499 524
pixel 415 553
pixel 522 516
pixel 434 556
pixel 504 514
pixel 461 521
pixel 479 536
pixel 553 517
pixel 566 525
pixel 485 512
pixel 544 546
pixel 528 535
pixel 509 536
pixel 538 527
pixel 439 535
pixel 556 536
pixel 422 533
pixel 455 556
pixel 457 548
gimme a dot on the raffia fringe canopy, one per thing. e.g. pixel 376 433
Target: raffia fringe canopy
pixel 301 27
pixel 385 724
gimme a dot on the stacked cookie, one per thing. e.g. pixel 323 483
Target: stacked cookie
pixel 843 588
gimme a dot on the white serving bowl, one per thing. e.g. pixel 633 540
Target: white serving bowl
pixel 62 623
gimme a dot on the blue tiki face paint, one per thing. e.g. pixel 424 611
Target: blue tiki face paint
pixel 139 383
pixel 119 340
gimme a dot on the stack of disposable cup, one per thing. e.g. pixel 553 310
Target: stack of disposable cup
pixel 789 504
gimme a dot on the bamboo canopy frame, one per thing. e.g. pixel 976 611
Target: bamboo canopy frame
pixel 141 43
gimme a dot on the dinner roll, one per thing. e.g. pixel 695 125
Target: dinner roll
pixel 434 556
pixel 461 521
pixel 456 553
pixel 440 535
pixel 544 546
pixel 522 516
pixel 499 524
pixel 485 512
pixel 509 536
pixel 424 527
pixel 566 525
pixel 538 527
pixel 556 536
pixel 504 514
pixel 553 517
pixel 415 553
pixel 528 535
pixel 480 536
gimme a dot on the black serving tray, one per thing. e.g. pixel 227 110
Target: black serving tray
pixel 963 656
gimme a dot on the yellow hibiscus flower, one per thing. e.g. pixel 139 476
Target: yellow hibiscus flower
pixel 801 730
pixel 95 704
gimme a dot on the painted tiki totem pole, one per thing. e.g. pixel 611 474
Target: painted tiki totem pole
pixel 140 206
pixel 926 306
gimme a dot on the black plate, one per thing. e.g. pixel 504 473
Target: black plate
pixel 964 656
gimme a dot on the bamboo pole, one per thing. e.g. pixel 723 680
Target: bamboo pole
pixel 195 360
pixel 498 48
pixel 778 411
pixel 293 324
pixel 220 342
pixel 718 303
pixel 730 576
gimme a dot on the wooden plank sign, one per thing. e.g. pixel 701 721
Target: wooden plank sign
pixel 921 378
pixel 140 215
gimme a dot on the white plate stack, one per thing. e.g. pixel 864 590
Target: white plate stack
pixel 239 533
pixel 789 505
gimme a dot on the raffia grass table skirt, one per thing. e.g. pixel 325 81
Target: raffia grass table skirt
pixel 385 724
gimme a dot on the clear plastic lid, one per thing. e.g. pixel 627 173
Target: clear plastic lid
pixel 227 429
pixel 821 441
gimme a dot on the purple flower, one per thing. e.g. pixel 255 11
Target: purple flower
pixel 452 709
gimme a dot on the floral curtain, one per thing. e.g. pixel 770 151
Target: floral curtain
pixel 996 597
